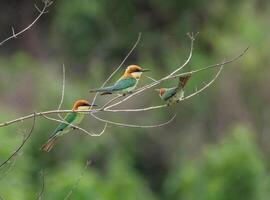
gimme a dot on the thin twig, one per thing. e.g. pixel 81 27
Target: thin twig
pixel 47 4
pixel 110 101
pixel 39 197
pixel 76 184
pixel 121 64
pixel 206 85
pixel 22 144
pixel 63 92
pixel 133 125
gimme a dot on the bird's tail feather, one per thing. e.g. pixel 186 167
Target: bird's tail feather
pixel 183 80
pixel 49 144
pixel 105 89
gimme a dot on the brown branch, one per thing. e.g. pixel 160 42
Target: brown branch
pixel 47 3
pixel 22 144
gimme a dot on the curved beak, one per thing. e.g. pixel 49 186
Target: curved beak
pixel 145 70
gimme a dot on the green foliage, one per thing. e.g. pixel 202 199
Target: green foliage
pixel 231 170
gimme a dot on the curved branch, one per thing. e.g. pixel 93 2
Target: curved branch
pixel 63 91
pixel 47 3
pixel 132 125
pixel 22 144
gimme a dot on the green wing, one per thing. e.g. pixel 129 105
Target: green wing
pixel 169 93
pixel 124 83
pixel 70 117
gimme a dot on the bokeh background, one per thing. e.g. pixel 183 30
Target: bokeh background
pixel 218 146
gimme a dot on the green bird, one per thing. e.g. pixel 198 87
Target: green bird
pixel 175 94
pixel 73 118
pixel 126 84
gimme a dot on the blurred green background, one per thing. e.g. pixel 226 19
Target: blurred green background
pixel 217 147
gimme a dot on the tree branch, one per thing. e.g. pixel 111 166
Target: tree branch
pixel 47 3
pixel 133 125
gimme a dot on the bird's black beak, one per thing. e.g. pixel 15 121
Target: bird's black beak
pixel 93 105
pixel 145 70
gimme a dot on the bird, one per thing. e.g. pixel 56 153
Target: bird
pixel 175 94
pixel 126 84
pixel 73 118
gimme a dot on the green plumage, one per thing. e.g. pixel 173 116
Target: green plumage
pixel 175 94
pixel 123 85
pixel 169 93
pixel 63 128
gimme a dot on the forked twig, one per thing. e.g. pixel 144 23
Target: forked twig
pixel 47 3
pixel 22 144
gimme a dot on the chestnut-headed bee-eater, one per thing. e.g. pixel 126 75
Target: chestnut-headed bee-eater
pixel 175 94
pixel 73 118
pixel 126 84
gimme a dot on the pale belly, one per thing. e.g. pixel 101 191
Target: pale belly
pixel 128 90
pixel 174 99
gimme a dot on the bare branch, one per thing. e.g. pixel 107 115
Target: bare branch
pixel 76 184
pixel 206 85
pixel 110 101
pixel 47 3
pixel 133 125
pixel 63 92
pixel 212 66
pixel 22 144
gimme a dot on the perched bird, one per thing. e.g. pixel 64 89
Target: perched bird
pixel 126 84
pixel 175 94
pixel 73 118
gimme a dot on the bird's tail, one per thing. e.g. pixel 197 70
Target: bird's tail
pixel 49 144
pixel 183 80
pixel 105 90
